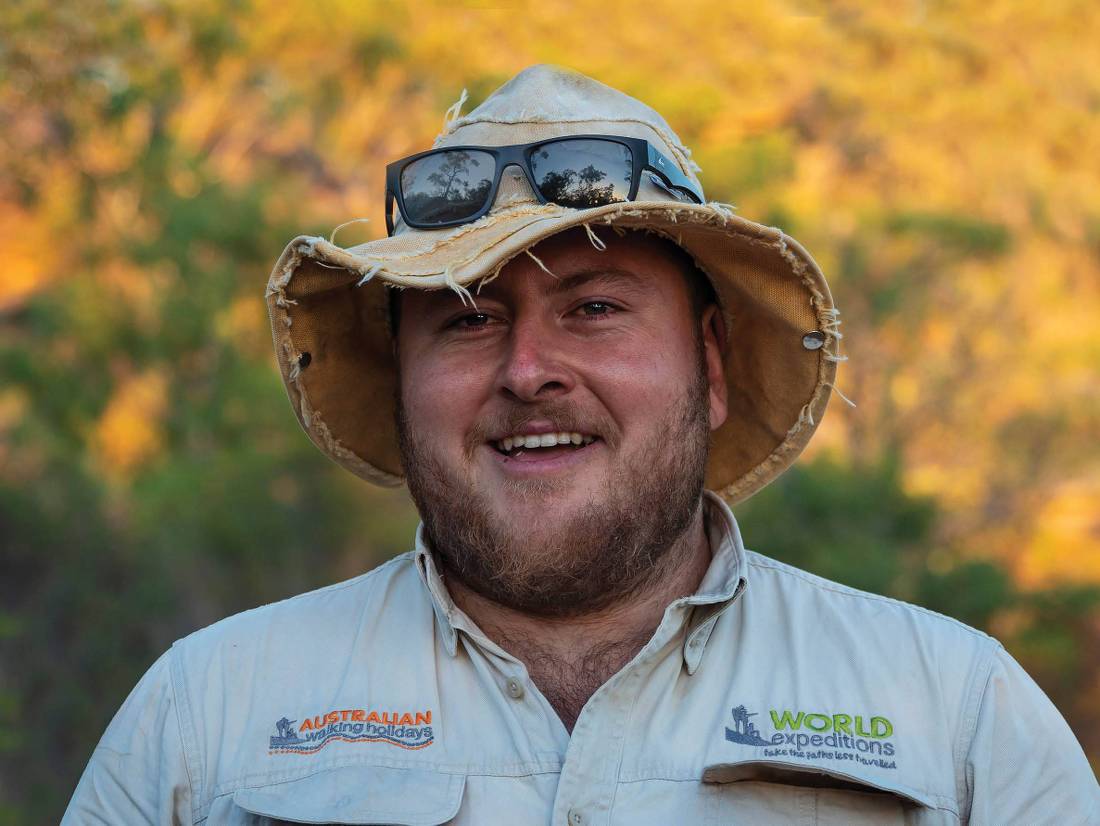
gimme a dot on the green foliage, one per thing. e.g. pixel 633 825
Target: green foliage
pixel 237 508
pixel 750 166
pixel 960 234
pixel 851 524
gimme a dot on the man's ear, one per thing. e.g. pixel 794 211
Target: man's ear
pixel 714 345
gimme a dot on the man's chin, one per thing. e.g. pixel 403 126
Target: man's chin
pixel 537 505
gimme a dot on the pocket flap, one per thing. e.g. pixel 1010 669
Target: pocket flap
pixel 811 776
pixel 359 795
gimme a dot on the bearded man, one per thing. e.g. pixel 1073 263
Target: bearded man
pixel 576 363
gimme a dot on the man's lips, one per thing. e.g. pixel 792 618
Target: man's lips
pixel 553 441
pixel 539 460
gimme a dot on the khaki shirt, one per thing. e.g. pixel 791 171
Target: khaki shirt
pixel 769 696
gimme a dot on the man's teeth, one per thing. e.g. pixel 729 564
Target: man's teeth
pixel 545 440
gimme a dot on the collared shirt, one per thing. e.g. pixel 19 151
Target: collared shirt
pixel 768 696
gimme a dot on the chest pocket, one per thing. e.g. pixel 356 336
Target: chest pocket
pixel 760 792
pixel 354 795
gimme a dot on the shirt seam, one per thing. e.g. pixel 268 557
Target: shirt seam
pixel 972 712
pixel 838 588
pixel 940 805
pixel 290 775
pixel 188 736
pixel 259 783
pixel 622 744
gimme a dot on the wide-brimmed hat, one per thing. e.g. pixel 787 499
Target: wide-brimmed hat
pixel 329 309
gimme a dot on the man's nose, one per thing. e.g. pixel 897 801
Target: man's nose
pixel 534 366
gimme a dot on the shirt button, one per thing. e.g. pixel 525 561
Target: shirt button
pixel 576 818
pixel 515 690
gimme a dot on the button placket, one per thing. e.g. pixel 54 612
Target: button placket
pixel 590 772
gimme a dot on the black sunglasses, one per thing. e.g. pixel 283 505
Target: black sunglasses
pixel 457 184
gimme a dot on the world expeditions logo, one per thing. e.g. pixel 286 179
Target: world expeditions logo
pixel 743 730
pixel 410 730
pixel 816 736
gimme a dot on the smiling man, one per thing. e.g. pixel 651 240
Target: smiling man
pixel 575 362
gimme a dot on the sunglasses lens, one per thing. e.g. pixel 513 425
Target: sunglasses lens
pixel 447 186
pixel 583 173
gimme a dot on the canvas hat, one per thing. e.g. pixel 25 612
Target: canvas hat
pixel 329 305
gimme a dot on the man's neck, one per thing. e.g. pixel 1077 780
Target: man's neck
pixel 568 658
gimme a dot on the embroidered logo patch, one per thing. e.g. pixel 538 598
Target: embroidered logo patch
pixel 816 736
pixel 408 730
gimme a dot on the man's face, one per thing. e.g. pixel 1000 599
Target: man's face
pixel 605 367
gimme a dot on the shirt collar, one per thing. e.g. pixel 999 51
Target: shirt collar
pixel 723 582
pixel 444 607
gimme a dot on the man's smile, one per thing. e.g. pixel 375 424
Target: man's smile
pixel 529 453
pixel 512 445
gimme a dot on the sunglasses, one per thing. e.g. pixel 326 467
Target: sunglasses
pixel 458 184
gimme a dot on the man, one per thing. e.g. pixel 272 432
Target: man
pixel 560 346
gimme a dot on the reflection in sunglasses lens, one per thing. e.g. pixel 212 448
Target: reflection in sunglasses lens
pixel 582 173
pixel 447 186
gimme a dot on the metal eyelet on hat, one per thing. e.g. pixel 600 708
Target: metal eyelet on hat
pixel 813 340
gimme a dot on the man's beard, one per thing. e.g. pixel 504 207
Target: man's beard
pixel 606 550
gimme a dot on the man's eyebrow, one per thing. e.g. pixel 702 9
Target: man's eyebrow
pixel 611 276
pixel 605 275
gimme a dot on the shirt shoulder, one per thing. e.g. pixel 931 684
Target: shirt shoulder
pixel 332 612
pixel 839 600
pixel 290 660
pixel 922 670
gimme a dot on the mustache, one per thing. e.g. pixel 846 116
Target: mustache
pixel 563 415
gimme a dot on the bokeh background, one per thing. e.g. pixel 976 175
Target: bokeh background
pixel 940 160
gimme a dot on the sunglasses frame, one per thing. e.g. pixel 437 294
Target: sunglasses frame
pixel 644 157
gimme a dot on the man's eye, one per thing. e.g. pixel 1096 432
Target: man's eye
pixel 595 308
pixel 473 320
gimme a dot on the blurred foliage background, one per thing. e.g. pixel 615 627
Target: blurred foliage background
pixel 940 160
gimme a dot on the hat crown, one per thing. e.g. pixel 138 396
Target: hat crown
pixel 546 101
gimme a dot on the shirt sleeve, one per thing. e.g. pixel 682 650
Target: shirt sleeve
pixel 1024 764
pixel 138 772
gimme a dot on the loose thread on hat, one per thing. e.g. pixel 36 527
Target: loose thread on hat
pixel 462 292
pixel 332 235
pixel 837 389
pixel 368 275
pixel 832 328
pixel 489 278
pixel 722 209
pixel 690 160
pixel 804 415
pixel 597 242
pixel 535 258
pixel 452 114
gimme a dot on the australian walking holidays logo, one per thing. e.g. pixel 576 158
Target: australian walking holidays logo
pixel 817 736
pixel 407 730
